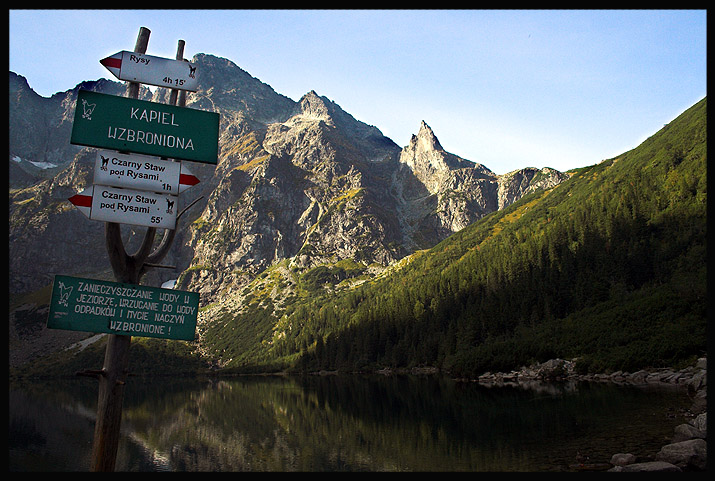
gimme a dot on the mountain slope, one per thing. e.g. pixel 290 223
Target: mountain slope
pixel 608 266
pixel 301 188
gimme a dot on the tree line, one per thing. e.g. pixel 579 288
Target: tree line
pixel 609 267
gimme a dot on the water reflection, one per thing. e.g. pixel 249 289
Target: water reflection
pixel 341 423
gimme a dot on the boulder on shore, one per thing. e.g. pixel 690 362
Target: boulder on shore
pixel 690 454
pixel 684 432
pixel 622 459
pixel 650 466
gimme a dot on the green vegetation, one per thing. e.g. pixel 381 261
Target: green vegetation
pixel 317 277
pixel 608 267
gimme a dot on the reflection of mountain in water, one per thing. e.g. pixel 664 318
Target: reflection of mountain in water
pixel 341 423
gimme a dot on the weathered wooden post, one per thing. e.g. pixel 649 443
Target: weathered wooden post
pixel 116 356
pixel 127 269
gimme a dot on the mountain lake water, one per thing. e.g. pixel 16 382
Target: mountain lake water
pixel 342 423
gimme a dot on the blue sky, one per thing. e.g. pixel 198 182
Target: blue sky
pixel 505 88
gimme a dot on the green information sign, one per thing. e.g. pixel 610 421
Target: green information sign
pixel 138 126
pixel 101 306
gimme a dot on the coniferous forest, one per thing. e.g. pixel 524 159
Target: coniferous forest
pixel 608 267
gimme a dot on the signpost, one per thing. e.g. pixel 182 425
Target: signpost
pixel 90 305
pixel 134 189
pixel 142 172
pixel 127 206
pixel 138 126
pixel 147 69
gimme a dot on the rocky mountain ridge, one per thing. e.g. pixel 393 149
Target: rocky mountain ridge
pixel 303 182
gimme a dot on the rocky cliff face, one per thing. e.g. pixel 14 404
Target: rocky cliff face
pixel 439 193
pixel 299 181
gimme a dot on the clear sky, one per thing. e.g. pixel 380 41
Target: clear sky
pixel 505 88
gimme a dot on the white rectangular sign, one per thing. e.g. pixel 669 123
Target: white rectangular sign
pixel 127 206
pixel 147 69
pixel 141 172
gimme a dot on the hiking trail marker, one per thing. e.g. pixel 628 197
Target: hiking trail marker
pixel 163 72
pixel 127 206
pixel 142 172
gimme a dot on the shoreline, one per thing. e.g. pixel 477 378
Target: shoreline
pixel 687 450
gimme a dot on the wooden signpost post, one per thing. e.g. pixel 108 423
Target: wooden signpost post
pixel 138 190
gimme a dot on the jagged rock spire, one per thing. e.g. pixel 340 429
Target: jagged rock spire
pixel 426 140
pixel 425 155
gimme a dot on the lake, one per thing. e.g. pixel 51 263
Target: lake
pixel 342 423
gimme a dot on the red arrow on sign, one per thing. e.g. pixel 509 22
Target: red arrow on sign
pixel 83 201
pixel 187 179
pixel 112 62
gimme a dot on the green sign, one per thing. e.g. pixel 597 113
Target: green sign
pixel 141 127
pixel 101 306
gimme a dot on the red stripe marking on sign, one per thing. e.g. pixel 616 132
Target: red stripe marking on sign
pixel 81 200
pixel 186 179
pixel 111 62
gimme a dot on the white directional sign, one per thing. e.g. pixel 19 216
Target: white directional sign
pixel 164 72
pixel 142 172
pixel 127 206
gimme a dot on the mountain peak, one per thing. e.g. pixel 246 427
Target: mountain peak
pixel 426 155
pixel 314 105
pixel 425 140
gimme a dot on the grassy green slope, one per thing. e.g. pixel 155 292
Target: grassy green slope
pixel 609 267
